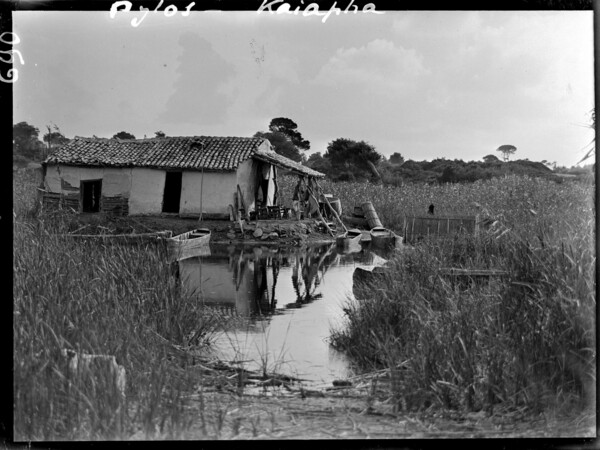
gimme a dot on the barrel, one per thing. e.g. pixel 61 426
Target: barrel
pixel 336 204
pixel 371 215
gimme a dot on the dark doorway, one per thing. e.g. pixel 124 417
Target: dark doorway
pixel 172 194
pixel 91 191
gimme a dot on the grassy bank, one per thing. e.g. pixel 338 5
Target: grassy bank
pixel 526 341
pixel 97 299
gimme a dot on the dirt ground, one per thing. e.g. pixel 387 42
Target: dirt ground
pixel 230 404
pixel 348 415
pixel 354 413
pixel 279 232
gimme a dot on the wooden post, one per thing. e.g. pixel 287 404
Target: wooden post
pixel 201 192
pixel 319 212
pixel 275 188
pixel 335 214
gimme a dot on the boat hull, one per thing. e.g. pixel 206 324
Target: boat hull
pixel 190 244
pixel 123 238
pixel 382 237
pixel 349 239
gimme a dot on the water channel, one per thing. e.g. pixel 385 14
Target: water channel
pixel 288 298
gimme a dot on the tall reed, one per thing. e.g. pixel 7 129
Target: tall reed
pixel 525 340
pixel 119 300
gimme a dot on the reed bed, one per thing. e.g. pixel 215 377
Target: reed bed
pixel 119 300
pixel 510 199
pixel 524 341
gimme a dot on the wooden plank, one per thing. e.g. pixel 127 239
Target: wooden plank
pixel 335 214
pixel 319 212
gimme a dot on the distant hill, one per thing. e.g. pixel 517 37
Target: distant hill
pixel 529 167
pixel 457 171
pixel 440 170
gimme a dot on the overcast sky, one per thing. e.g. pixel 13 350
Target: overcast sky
pixel 451 84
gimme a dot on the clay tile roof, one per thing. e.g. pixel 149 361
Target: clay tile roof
pixel 195 152
pixel 191 153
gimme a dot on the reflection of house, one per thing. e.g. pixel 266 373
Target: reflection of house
pixel 215 281
pixel 184 175
pixel 245 282
pixel 254 281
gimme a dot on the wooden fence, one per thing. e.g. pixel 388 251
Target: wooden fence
pixel 418 227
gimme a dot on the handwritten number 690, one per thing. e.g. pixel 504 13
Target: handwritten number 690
pixel 13 74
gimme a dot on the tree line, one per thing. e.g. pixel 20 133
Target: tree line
pixel 27 145
pixel 344 159
pixel 351 160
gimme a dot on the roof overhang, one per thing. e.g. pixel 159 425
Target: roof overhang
pixel 287 164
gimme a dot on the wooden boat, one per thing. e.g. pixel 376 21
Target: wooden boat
pixel 123 238
pixel 190 244
pixel 382 237
pixel 350 238
pixel 366 236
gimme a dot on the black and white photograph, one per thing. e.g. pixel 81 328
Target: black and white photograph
pixel 301 221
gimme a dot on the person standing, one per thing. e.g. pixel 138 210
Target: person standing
pixel 298 198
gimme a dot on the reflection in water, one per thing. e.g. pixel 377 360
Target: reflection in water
pixel 305 275
pixel 291 296
pixel 246 278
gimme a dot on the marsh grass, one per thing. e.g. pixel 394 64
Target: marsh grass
pixel 119 300
pixel 509 199
pixel 525 341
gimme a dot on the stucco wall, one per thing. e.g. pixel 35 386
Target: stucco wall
pixel 147 190
pixel 66 179
pixel 63 183
pixel 215 190
pixel 115 181
pixel 52 179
